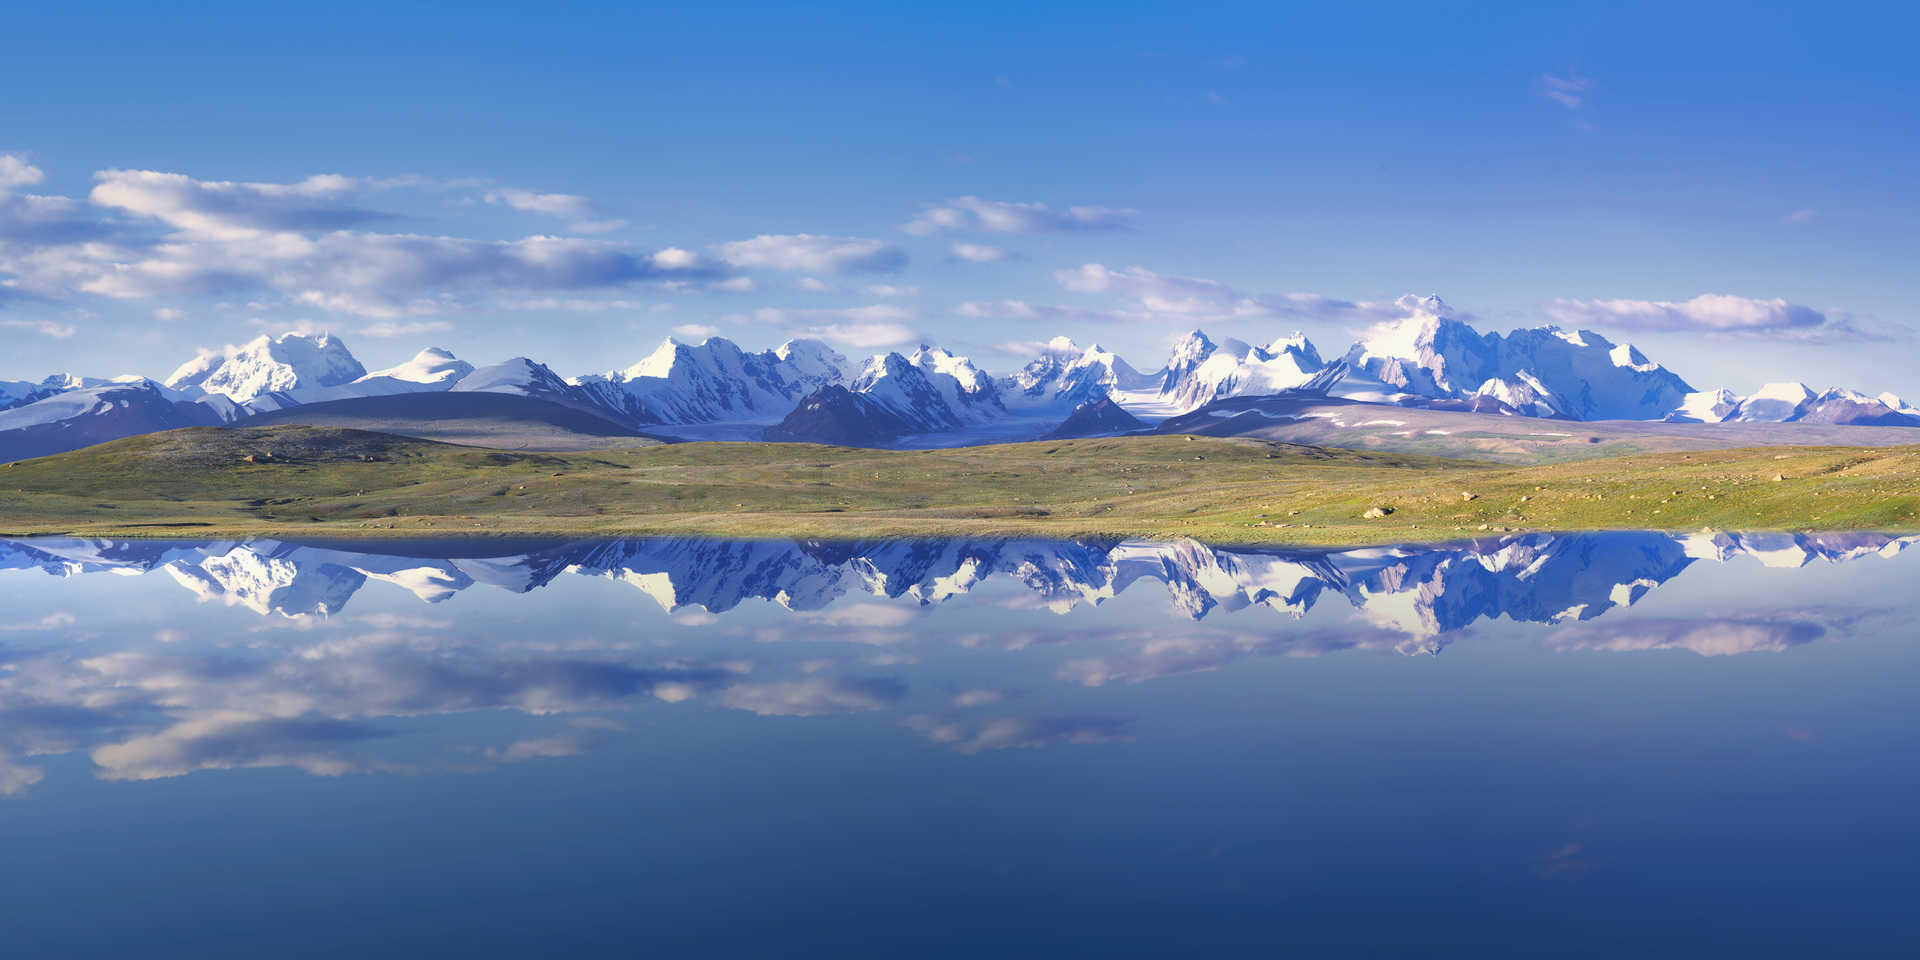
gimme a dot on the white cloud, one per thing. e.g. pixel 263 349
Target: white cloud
pixel 232 739
pixel 414 329
pixel 1803 215
pixel 1163 656
pixel 1141 284
pixel 813 285
pixel 566 206
pixel 1051 313
pixel 1708 638
pixel 571 744
pixel 51 621
pixel 169 314
pixel 597 226
pixel 814 696
pixel 978 252
pixel 891 290
pixel 15 777
pixel 563 205
pixel 295 240
pixel 46 328
pixel 876 325
pixel 1714 314
pixel 812 253
pixel 15 172
pixel 980 697
pixel 377 275
pixel 674 258
pixel 936 219
pixel 1006 733
pixel 861 615
pixel 583 304
pixel 696 331
pixel 1192 301
pixel 1568 90
pixel 227 210
pixel 1021 348
pixel 863 335
pixel 1000 216
pixel 734 284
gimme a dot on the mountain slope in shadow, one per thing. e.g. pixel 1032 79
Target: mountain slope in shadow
pixel 499 420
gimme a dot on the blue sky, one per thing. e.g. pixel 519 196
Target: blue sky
pixel 1731 188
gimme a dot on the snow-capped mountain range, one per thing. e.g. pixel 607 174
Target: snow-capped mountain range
pixel 805 390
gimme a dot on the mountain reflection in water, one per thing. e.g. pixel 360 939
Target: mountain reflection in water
pixel 307 697
pixel 1424 591
pixel 963 748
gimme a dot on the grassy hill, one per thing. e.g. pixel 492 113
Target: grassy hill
pixel 317 481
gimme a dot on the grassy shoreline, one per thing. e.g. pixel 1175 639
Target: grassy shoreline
pixel 345 484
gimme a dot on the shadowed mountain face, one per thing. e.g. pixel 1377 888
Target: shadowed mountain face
pixel 1098 418
pixel 1452 428
pixel 837 415
pixel 499 420
pixel 82 418
pixel 1421 593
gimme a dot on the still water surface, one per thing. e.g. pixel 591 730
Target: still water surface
pixel 1529 745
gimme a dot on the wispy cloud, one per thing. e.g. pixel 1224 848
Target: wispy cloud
pixel 873 326
pixel 566 206
pixel 149 234
pixel 46 328
pixel 863 335
pixel 978 252
pixel 1566 89
pixel 861 615
pixel 1708 638
pixel 228 210
pixel 815 696
pixel 1718 315
pixel 1011 733
pixel 1001 216
pixel 1154 297
pixel 413 329
pixel 814 254
pixel 15 171
pixel 1802 215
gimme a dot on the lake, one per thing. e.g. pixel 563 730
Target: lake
pixel 1567 745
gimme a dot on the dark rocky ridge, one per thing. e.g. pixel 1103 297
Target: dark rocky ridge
pixel 1097 418
pixel 839 416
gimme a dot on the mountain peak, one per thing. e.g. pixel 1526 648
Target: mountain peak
pixel 270 364
pixel 432 365
pixel 1295 342
pixel 813 360
pixel 1190 349
pixel 659 363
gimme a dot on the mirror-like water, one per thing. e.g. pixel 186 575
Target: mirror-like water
pixel 1539 744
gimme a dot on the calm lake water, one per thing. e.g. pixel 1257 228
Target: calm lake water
pixel 1590 745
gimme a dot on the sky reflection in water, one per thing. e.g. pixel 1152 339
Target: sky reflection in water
pixel 1524 743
